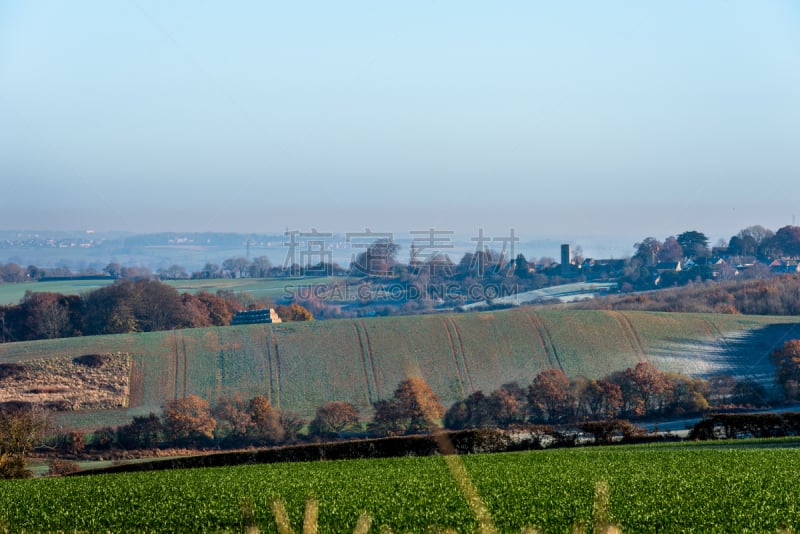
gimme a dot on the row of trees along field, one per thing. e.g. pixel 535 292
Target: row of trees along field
pixel 123 307
pixel 414 408
pixel 774 295
pixel 551 398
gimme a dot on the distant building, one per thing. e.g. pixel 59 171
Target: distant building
pixel 266 315
pixel 565 255
pixel 566 264
pixel 784 266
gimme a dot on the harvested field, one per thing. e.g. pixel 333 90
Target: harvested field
pixel 65 385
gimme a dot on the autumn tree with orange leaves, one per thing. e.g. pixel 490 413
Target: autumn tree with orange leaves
pixel 414 408
pixel 647 386
pixel 188 421
pixel 787 363
pixel 548 396
pixel 266 427
pixel 601 399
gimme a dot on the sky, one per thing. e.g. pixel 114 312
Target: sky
pixel 553 118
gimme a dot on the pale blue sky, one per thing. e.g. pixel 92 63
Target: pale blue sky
pixel 555 118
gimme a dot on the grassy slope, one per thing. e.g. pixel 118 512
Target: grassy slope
pixel 301 365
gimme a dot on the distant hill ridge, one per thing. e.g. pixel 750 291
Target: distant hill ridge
pixel 299 366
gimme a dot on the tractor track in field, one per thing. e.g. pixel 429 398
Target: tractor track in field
pixel 136 381
pixel 454 352
pixel 268 356
pixel 371 359
pixel 220 371
pixel 547 339
pixel 177 365
pixel 277 372
pixel 629 333
pixel 718 334
pixel 273 359
pixel 538 334
pixel 185 365
pixel 364 364
pixel 460 341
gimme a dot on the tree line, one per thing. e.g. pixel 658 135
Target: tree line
pixel 636 393
pixel 598 406
pixel 774 295
pixel 641 392
pixel 126 306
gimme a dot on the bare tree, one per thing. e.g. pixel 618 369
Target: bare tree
pixel 20 431
pixel 333 418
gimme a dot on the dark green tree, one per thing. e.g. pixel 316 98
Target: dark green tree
pixel 787 240
pixel 694 244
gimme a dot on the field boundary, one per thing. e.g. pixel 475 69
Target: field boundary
pixel 136 381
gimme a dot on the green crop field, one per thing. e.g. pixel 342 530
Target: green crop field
pixel 723 488
pixel 269 288
pixel 299 366
pixel 13 293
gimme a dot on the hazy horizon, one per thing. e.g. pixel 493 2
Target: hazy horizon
pixel 610 119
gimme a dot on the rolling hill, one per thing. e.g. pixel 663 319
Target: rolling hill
pixel 301 365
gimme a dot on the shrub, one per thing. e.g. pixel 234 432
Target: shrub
pixel 188 421
pixel 11 370
pixel 71 443
pixel 604 432
pixel 45 390
pixel 103 438
pixel 15 406
pixel 757 425
pixel 480 440
pixel 62 467
pixel 58 406
pixel 92 360
pixel 144 432
pixel 14 466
